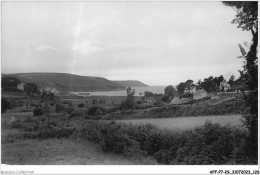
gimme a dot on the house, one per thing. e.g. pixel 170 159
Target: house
pixel 49 90
pixel 55 91
pixel 224 86
pixel 193 89
pixel 200 94
pixel 20 86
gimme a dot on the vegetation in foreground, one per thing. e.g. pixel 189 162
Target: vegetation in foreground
pixel 209 144
pixel 232 106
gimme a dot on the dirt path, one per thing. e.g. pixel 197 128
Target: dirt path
pixel 57 152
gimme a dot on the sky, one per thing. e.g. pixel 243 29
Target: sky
pixel 158 43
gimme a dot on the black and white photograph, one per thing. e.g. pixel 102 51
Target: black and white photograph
pixel 129 83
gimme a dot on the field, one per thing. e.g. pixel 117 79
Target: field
pixel 184 123
pixel 76 138
pixel 57 152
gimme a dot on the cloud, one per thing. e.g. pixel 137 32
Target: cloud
pixel 87 47
pixel 45 47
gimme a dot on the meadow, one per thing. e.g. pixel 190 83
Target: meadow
pixel 184 123
pixel 88 135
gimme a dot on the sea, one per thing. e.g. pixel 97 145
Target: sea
pixel 138 90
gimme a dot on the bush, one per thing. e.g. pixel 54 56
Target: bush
pixel 70 103
pixel 76 114
pixel 81 105
pixel 55 132
pixel 38 111
pixel 96 110
pixel 59 108
pixel 209 144
pixel 70 109
pixel 16 124
pixel 5 104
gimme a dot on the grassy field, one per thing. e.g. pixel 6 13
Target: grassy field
pixel 184 123
pixel 75 139
pixel 58 152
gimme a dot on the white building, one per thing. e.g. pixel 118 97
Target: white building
pixel 224 85
pixel 20 86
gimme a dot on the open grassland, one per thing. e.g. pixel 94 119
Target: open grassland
pixel 82 136
pixel 60 140
pixel 184 123
pixel 58 152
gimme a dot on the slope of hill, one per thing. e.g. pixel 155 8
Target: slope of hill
pixel 68 82
pixel 131 83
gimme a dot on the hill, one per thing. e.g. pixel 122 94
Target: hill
pixel 131 83
pixel 68 82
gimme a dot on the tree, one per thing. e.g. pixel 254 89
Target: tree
pixel 231 80
pixel 199 84
pixel 31 89
pixel 130 100
pixel 188 85
pixel 169 93
pixel 5 104
pixel 10 83
pixel 181 88
pixel 247 19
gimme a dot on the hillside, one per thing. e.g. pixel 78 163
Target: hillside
pixel 68 82
pixel 131 83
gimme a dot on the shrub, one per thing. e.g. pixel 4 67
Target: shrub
pixel 16 124
pixel 70 103
pixel 56 133
pixel 76 114
pixel 209 144
pixel 59 108
pixel 96 110
pixel 5 104
pixel 70 109
pixel 81 105
pixel 38 111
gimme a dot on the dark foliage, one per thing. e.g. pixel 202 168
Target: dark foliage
pixel 151 94
pixel 38 111
pixel 31 89
pixel 210 144
pixel 10 83
pixel 96 110
pixel 169 93
pixel 59 108
pixel 247 19
pixel 69 109
pixel 5 104
pixel 81 105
